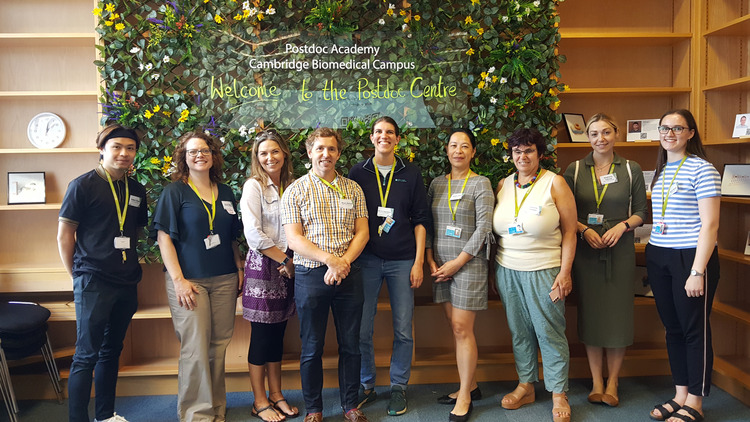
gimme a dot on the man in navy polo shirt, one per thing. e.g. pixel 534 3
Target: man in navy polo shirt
pixel 97 235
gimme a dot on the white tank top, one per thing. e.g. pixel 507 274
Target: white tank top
pixel 539 246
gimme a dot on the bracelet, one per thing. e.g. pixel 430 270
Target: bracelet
pixel 285 261
pixel 626 224
pixel 584 231
pixel 240 269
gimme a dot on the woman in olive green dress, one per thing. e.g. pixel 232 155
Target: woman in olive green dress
pixel 611 200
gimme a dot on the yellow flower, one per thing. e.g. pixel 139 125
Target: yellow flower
pixel 566 88
pixel 407 19
pixel 157 108
pixel 218 19
pixel 389 12
pixel 494 141
pixel 480 85
pixel 167 158
pixel 555 105
pixel 97 11
pixel 552 91
pixel 485 130
pixel 468 20
pixel 166 113
pixel 494 78
pixel 483 75
pixel 533 81
pixel 109 23
pixel 245 13
pixel 205 1
pixel 155 160
pixel 469 52
pixel 115 16
pixel 148 114
pixel 417 18
pixel 474 1
pixel 120 26
pixel 184 115
pixel 260 17
pixel 167 166
pixel 238 17
pixel 402 12
pixel 411 156
pixel 537 94
pixel 556 24
pixel 505 144
pixel 480 31
pixel 109 7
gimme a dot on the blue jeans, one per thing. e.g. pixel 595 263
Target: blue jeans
pixel 314 298
pixel 396 274
pixel 103 313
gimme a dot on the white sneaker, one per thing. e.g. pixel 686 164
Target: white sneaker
pixel 114 418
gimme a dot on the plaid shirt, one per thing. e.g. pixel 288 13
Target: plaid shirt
pixel 316 206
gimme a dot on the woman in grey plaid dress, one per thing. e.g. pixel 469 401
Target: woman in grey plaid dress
pixel 461 203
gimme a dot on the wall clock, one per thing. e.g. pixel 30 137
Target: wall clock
pixel 46 130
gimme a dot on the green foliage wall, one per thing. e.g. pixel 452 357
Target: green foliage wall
pixel 157 60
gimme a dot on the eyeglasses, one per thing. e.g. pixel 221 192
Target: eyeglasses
pixel 676 130
pixel 524 151
pixel 194 152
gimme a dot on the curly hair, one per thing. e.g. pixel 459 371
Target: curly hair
pixel 180 154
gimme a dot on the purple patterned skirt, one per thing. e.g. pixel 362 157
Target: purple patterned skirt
pixel 267 296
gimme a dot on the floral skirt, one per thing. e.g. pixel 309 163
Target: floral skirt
pixel 267 296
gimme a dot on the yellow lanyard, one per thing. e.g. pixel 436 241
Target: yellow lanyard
pixel 121 214
pixel 212 213
pixel 281 189
pixel 384 199
pixel 515 193
pixel 596 188
pixel 453 212
pixel 332 186
pixel 663 198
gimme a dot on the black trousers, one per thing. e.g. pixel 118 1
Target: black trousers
pixel 266 342
pixel 686 319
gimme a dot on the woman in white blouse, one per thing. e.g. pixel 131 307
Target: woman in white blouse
pixel 268 292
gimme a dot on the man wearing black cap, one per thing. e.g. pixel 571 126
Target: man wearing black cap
pixel 97 236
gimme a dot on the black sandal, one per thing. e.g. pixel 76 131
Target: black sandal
pixel 663 412
pixel 278 409
pixel 696 416
pixel 256 412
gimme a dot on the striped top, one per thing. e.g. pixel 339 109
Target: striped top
pixel 697 179
pixel 324 222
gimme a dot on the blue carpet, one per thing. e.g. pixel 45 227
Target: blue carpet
pixel 637 397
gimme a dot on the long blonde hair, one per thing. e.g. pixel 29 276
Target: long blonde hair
pixel 256 169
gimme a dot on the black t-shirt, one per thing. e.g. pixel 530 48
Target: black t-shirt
pixel 90 203
pixel 181 214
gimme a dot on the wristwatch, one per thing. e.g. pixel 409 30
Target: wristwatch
pixel 694 272
pixel 584 231
pixel 285 261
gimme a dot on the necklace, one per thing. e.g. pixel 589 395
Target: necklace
pixel 531 182
pixel 603 167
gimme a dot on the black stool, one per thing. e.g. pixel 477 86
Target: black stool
pixel 23 332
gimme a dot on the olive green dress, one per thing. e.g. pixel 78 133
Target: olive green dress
pixel 603 278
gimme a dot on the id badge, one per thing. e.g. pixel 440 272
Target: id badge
pixel 659 228
pixel 453 231
pixel 608 178
pixel 674 188
pixel 387 224
pixel 134 201
pixel 385 212
pixel 346 203
pixel 122 242
pixel 457 196
pixel 535 210
pixel 515 228
pixel 595 219
pixel 228 207
pixel 212 241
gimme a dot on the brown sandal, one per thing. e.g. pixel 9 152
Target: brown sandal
pixel 515 402
pixel 557 411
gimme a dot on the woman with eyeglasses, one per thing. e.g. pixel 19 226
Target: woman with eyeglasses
pixel 683 262
pixel 268 292
pixel 456 251
pixel 611 201
pixel 197 227
pixel 535 219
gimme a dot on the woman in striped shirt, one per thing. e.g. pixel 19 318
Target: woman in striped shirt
pixel 682 260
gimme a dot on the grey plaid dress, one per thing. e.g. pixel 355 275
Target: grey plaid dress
pixel 468 289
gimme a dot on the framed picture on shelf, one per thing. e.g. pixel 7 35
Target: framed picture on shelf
pixel 576 127
pixel 644 130
pixel 736 180
pixel 741 126
pixel 26 188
